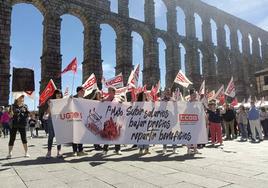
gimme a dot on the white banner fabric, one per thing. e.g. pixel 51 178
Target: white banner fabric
pixel 93 122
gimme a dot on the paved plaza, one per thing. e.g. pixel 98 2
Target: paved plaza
pixel 233 165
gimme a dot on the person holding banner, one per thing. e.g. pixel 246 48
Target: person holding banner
pixel 78 148
pixel 51 134
pixel 192 149
pixel 111 96
pixel 19 115
pixel 97 97
pixel 143 98
pixel 168 97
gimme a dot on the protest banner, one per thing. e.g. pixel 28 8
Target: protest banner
pixel 93 122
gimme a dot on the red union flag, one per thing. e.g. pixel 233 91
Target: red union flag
pixel 230 90
pixel 182 80
pixel 71 67
pixel 134 77
pixel 116 81
pixel 48 92
pixel 90 84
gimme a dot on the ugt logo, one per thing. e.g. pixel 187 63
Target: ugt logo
pixel 71 116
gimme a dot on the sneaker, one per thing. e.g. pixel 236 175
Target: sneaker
pixel 59 156
pixel 74 154
pixel 118 152
pixel 147 151
pixel 104 153
pixel 175 151
pixel 164 151
pixel 81 153
pixel 27 155
pixel 9 156
pixel 48 155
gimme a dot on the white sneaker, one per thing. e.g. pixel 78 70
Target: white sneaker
pixel 118 152
pixel 175 151
pixel 27 155
pixel 9 156
pixel 104 153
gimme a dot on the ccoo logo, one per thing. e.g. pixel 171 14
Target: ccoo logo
pixel 188 118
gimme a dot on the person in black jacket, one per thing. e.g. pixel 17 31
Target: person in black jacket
pixel 78 148
pixel 228 116
pixel 19 115
pixel 214 119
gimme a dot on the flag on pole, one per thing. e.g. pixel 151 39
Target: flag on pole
pixel 134 77
pixel 211 95
pixel 230 90
pixel 90 84
pixel 48 92
pixel 71 67
pixel 219 93
pixel 116 81
pixel 182 80
pixel 202 88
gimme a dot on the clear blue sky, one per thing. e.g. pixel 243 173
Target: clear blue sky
pixel 27 31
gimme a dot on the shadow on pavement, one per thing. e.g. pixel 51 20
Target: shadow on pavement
pixel 98 159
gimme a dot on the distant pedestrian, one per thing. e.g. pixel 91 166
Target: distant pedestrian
pixel 254 122
pixel 229 120
pixel 5 121
pixel 264 121
pixel 242 120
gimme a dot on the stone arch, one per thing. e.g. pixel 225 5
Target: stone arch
pixel 142 30
pixel 183 54
pixel 114 6
pixel 181 21
pixel 198 26
pixel 39 4
pixel 114 22
pixel 228 36
pixel 250 43
pixel 70 49
pixel 240 38
pixel 137 6
pixel 108 62
pixel 216 63
pixel 260 45
pixel 160 15
pixel 74 10
pixel 138 45
pixel 214 31
pixel 201 63
pixel 162 60
pixel 18 54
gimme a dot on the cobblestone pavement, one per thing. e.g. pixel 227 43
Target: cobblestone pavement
pixel 234 165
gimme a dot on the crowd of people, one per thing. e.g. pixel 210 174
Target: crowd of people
pixel 221 122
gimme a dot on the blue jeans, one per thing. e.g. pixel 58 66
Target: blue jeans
pixel 244 130
pixel 51 135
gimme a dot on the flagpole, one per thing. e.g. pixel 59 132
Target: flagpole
pixel 73 84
